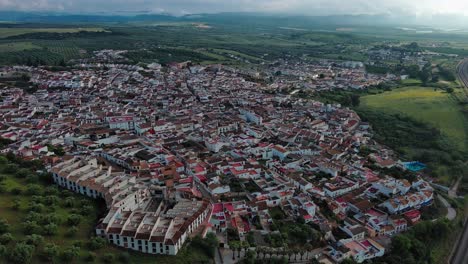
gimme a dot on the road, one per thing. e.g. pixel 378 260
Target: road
pixel 460 255
pixel 453 191
pixel 461 252
pixel 462 72
pixel 451 213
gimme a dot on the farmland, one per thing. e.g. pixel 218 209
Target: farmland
pixel 425 104
pixel 18 46
pixel 421 123
pixel 9 32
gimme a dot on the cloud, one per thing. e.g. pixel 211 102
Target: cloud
pixel 306 7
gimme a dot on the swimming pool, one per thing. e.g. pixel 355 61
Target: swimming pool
pixel 414 166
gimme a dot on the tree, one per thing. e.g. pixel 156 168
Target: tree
pixel 90 257
pixel 449 90
pixel 70 202
pixel 289 253
pixel 260 251
pixel 36 207
pixel 31 227
pixel 6 238
pixel 21 253
pixel 52 190
pixel 425 74
pixel 22 173
pixel 10 168
pixel 51 200
pixel 34 240
pixel 71 232
pixel 73 219
pixel 96 243
pixel 50 229
pixel 16 191
pixel 4 226
pixel 296 251
pixel 244 245
pixel 108 258
pixel 412 71
pixel 86 210
pixel 355 100
pixel 33 189
pixel 308 247
pixel 70 253
pixel 249 257
pixel 234 245
pixel 401 244
pixel 50 251
pixel 3 251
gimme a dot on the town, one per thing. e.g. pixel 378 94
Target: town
pixel 182 150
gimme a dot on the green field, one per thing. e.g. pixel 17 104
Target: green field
pixel 18 46
pixel 424 104
pixel 8 32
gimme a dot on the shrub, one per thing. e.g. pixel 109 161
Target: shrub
pixel 71 232
pixel 6 238
pixel 21 253
pixel 90 257
pixel 34 240
pixel 108 258
pixel 124 257
pixel 22 173
pixel 16 191
pixel 33 189
pixel 73 219
pixel 3 251
pixel 50 229
pixel 70 253
pixel 97 243
pixel 50 251
pixel 4 226
pixel 10 168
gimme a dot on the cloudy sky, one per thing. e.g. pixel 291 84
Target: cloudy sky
pixel 307 7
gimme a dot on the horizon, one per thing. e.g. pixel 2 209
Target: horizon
pixel 276 7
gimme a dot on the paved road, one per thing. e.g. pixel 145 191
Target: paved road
pixel 451 213
pixel 461 251
pixel 460 255
pixel 462 72
pixel 453 191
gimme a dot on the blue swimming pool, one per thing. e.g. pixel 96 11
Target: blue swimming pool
pixel 414 166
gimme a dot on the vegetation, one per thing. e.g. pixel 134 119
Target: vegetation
pixel 416 245
pixel 40 223
pixel 10 32
pixel 434 107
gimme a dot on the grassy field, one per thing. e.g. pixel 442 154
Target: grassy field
pixel 15 190
pixel 435 107
pixel 18 46
pixel 8 32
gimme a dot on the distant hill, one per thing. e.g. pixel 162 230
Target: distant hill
pixel 252 19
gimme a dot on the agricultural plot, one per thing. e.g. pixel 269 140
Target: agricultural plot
pixel 18 46
pixel 434 107
pixel 9 32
